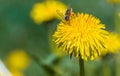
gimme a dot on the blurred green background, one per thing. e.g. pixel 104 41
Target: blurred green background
pixel 18 31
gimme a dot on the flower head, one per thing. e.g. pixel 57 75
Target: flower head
pixel 17 60
pixel 83 35
pixel 113 43
pixel 46 11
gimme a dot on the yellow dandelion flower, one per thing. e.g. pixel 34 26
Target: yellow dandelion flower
pixel 113 43
pixel 83 35
pixel 46 11
pixel 17 60
pixel 113 1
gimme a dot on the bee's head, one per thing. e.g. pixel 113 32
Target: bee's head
pixel 68 11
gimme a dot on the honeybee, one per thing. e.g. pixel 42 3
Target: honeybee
pixel 67 14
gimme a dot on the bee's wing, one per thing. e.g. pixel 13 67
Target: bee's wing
pixel 60 14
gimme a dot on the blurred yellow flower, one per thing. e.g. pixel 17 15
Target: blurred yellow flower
pixel 113 43
pixel 83 35
pixel 17 60
pixel 114 1
pixel 46 11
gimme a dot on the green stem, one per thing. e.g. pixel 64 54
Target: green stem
pixel 106 69
pixel 81 65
